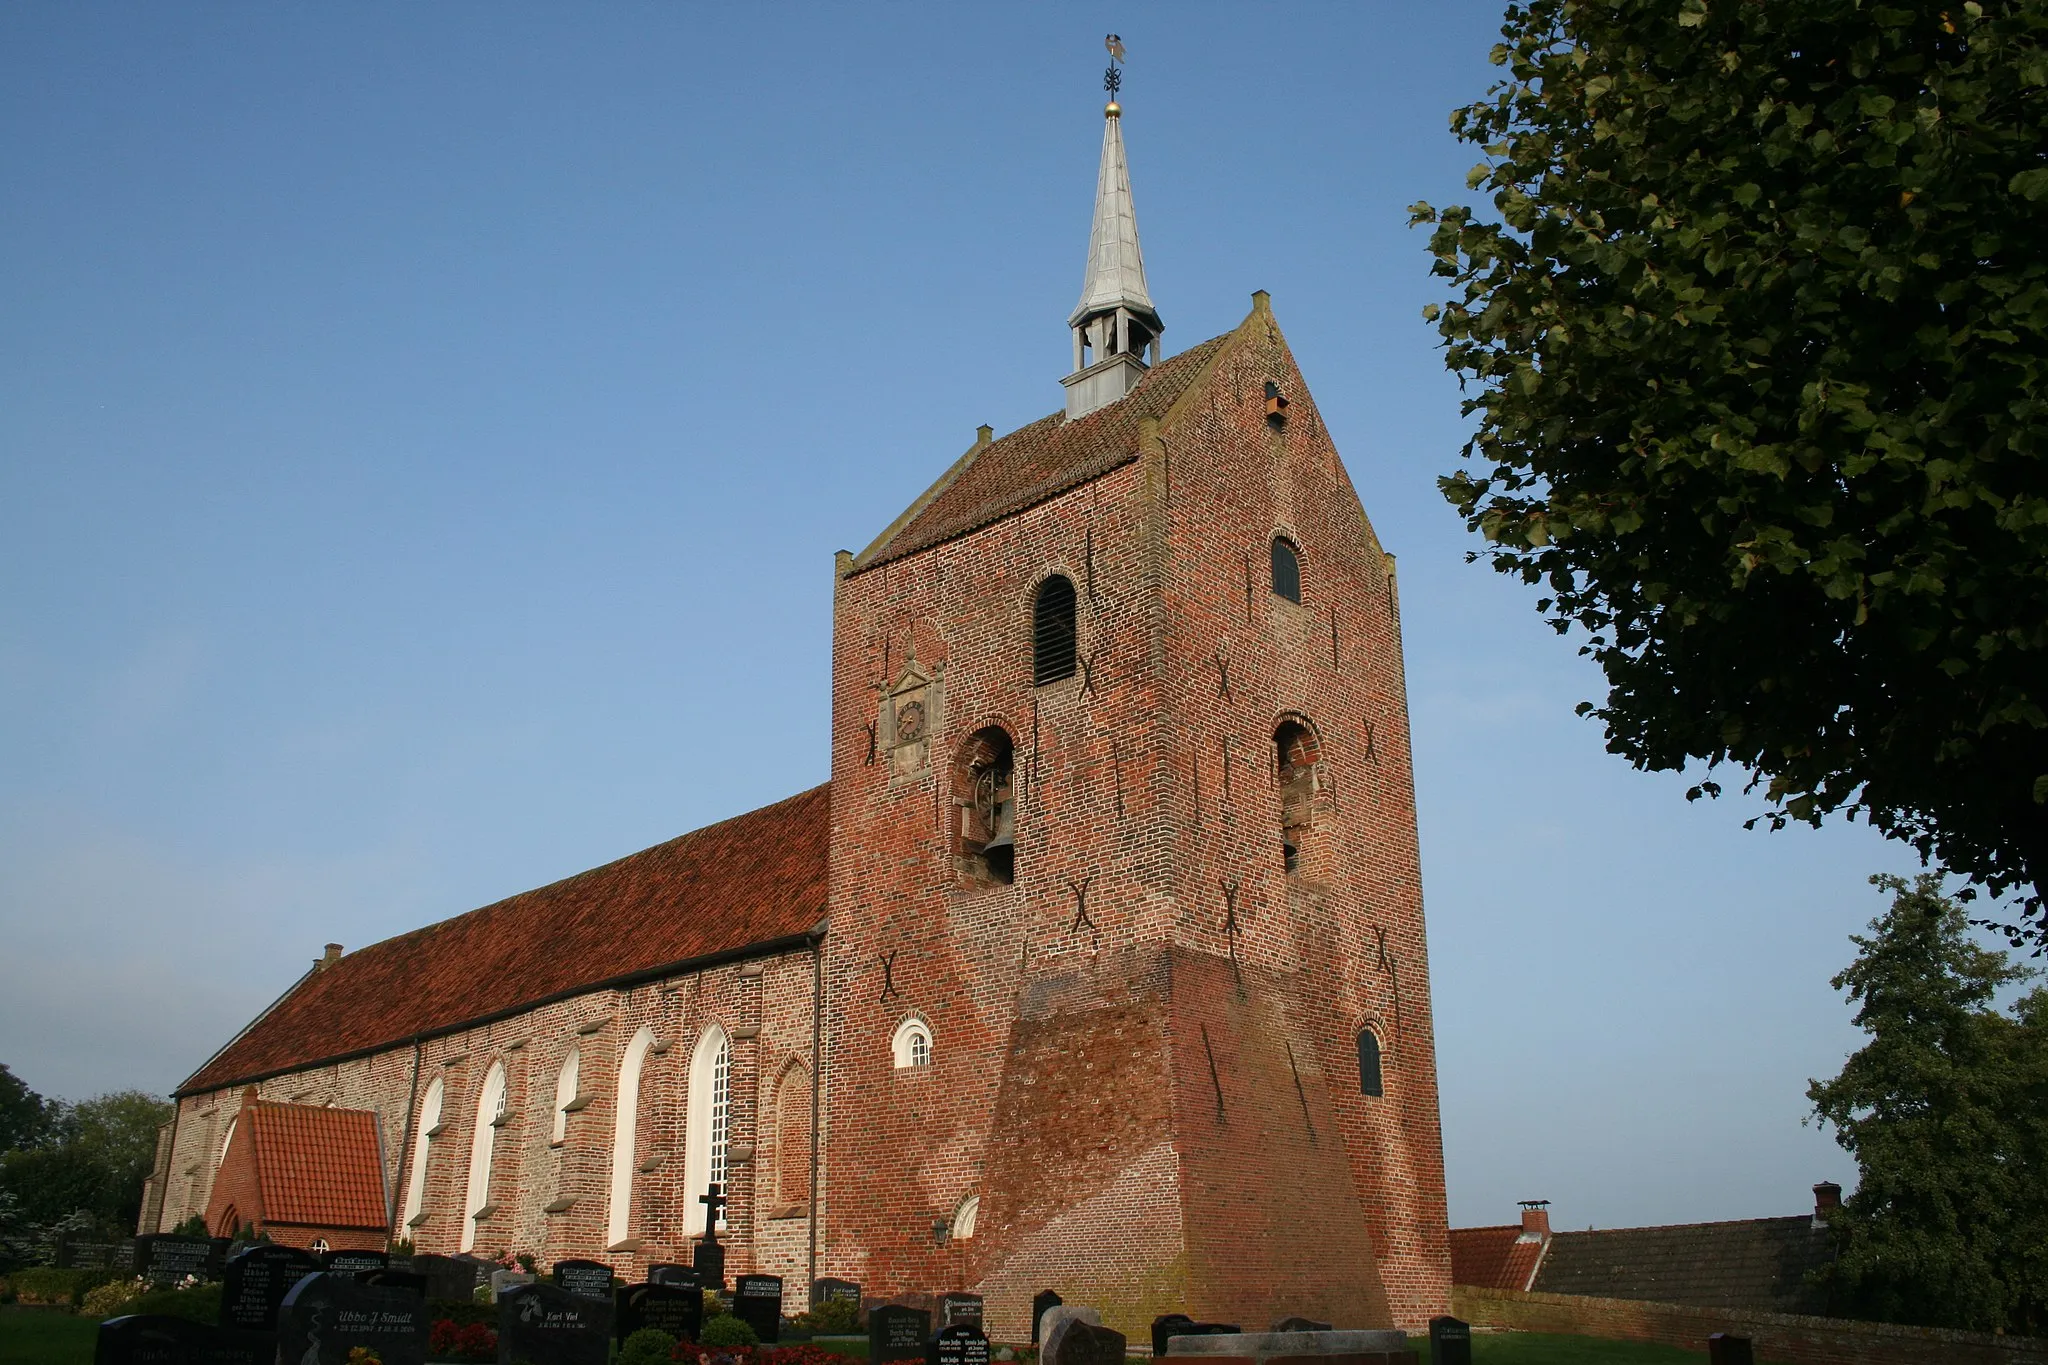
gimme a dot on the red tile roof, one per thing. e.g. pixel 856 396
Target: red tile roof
pixel 751 880
pixel 1033 463
pixel 318 1166
pixel 1493 1258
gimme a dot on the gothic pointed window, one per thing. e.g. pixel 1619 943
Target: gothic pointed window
pixel 1370 1079
pixel 707 1125
pixel 426 1126
pixel 490 1105
pixel 1286 569
pixel 566 1081
pixel 793 1136
pixel 625 1137
pixel 1054 637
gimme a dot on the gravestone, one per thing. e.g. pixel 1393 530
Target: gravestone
pixel 1075 1341
pixel 960 1344
pixel 1297 1324
pixel 677 1276
pixel 503 1281
pixel 254 1282
pixel 1450 1341
pixel 591 1279
pixel 757 1301
pixel 898 1333
pixel 1167 1326
pixel 163 1259
pixel 355 1262
pixel 409 1281
pixel 834 1291
pixel 960 1310
pixel 676 1310
pixel 148 1339
pixel 541 1324
pixel 1043 1300
pixel 447 1277
pixel 83 1255
pixel 325 1316
pixel 1724 1349
pixel 708 1260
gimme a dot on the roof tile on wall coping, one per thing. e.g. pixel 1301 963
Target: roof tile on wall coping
pixel 318 1167
pixel 1756 1263
pixel 1035 462
pixel 1494 1258
pixel 752 880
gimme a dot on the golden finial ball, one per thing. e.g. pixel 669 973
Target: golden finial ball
pixel 1112 110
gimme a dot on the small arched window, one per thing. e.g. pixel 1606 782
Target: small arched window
pixel 566 1082
pixel 1286 569
pixel 1053 635
pixel 964 1218
pixel 1370 1079
pixel 912 1045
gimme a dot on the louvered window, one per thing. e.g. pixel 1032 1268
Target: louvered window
pixel 1286 569
pixel 1369 1078
pixel 1052 631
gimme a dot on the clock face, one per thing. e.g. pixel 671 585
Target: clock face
pixel 910 722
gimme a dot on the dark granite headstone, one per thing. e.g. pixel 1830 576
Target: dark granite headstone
pixel 407 1280
pixel 1299 1324
pixel 591 1279
pixel 676 1276
pixel 709 1262
pixel 1083 1343
pixel 1450 1341
pixel 899 1333
pixel 960 1344
pixel 255 1281
pixel 834 1291
pixel 960 1310
pixel 354 1262
pixel 1043 1300
pixel 325 1316
pixel 447 1277
pixel 1724 1349
pixel 678 1311
pixel 86 1255
pixel 757 1301
pixel 153 1340
pixel 541 1324
pixel 1169 1325
pixel 163 1259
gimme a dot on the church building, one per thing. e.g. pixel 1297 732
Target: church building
pixel 1098 965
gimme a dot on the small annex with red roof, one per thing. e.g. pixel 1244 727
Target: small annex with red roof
pixel 302 1175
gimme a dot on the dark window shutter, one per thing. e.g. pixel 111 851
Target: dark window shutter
pixel 1286 570
pixel 1369 1081
pixel 1052 631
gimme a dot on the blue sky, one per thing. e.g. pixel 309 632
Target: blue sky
pixel 419 424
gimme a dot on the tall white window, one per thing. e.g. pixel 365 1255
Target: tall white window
pixel 416 1179
pixel 912 1045
pixel 227 1138
pixel 625 1133
pixel 490 1107
pixel 565 1095
pixel 708 1124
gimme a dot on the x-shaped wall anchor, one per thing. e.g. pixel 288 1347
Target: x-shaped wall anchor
pixel 1222 672
pixel 1371 754
pixel 871 743
pixel 1088 670
pixel 889 990
pixel 1080 890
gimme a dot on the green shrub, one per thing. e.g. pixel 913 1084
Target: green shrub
pixel 195 1226
pixel 42 1284
pixel 833 1317
pixel 713 1305
pixel 201 1303
pixel 648 1346
pixel 462 1312
pixel 727 1330
pixel 110 1299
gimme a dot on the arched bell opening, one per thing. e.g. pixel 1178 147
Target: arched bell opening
pixel 985 808
pixel 1297 761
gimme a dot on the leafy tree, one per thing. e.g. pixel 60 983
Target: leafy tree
pixel 1946 1111
pixel 93 1162
pixel 1759 355
pixel 25 1116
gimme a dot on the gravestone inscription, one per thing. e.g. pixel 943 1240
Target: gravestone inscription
pixel 541 1324
pixel 757 1301
pixel 503 1281
pixel 355 1262
pixel 1041 1301
pixel 149 1339
pixel 897 1333
pixel 591 1279
pixel 664 1307
pixel 255 1281
pixel 679 1276
pixel 960 1310
pixel 163 1259
pixel 1450 1341
pixel 834 1291
pixel 960 1344
pixel 325 1316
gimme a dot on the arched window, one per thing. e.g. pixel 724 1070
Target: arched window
pixel 423 1138
pixel 1296 758
pixel 793 1136
pixel 565 1095
pixel 912 1045
pixel 225 1139
pixel 964 1217
pixel 985 808
pixel 1370 1081
pixel 1286 569
pixel 625 1135
pixel 1053 635
pixel 708 1124
pixel 320 1246
pixel 490 1106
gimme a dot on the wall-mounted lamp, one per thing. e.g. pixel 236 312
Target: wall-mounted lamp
pixel 942 1230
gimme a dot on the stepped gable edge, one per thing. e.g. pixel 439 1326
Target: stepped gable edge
pixel 752 882
pixel 1036 462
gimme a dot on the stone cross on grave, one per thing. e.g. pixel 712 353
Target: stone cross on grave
pixel 712 1201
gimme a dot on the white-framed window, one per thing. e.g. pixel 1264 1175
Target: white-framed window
pixel 912 1045
pixel 707 1125
pixel 565 1094
pixel 625 1134
pixel 226 1138
pixel 490 1103
pixel 422 1138
pixel 320 1247
pixel 964 1217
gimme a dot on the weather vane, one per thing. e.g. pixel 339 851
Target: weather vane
pixel 1113 79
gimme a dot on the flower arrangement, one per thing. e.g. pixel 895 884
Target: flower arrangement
pixel 450 1340
pixel 363 1355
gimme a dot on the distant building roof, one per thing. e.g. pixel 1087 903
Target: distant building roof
pixel 750 881
pixel 1495 1258
pixel 1755 1263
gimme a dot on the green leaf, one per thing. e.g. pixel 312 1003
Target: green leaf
pixel 2030 184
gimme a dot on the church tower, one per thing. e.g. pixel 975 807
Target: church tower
pixel 1127 987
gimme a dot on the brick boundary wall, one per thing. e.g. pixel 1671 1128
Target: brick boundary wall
pixel 1780 1338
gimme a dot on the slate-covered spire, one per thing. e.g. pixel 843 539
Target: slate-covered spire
pixel 1115 324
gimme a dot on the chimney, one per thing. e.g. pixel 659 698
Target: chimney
pixel 1826 1195
pixel 328 959
pixel 1535 1220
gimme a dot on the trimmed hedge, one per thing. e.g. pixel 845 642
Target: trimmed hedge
pixel 43 1284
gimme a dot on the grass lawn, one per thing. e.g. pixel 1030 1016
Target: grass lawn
pixel 44 1336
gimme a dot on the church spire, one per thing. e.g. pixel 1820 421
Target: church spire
pixel 1115 323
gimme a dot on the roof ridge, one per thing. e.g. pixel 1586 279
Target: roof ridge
pixel 925 499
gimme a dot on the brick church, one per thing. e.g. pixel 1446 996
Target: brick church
pixel 1098 965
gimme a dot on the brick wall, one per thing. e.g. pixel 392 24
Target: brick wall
pixel 1779 1338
